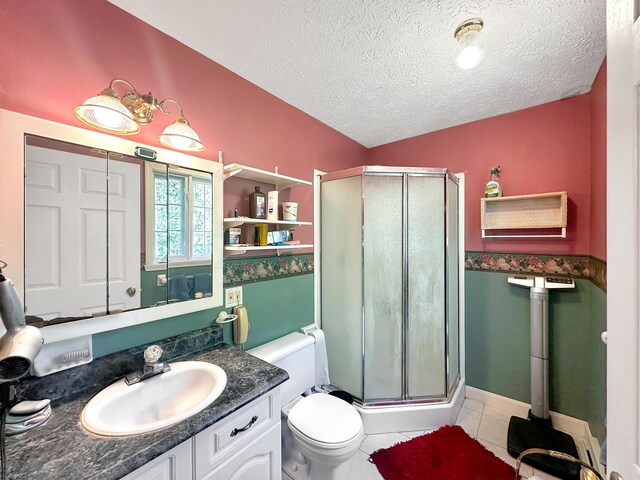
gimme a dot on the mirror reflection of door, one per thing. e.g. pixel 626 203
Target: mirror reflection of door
pixel 125 217
pixel 65 230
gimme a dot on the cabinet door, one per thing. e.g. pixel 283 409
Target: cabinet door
pixel 176 464
pixel 260 460
pixel 222 440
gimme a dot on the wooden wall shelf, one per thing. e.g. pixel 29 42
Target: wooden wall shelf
pixel 532 212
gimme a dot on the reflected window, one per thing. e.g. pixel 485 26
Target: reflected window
pixel 183 212
pixel 202 211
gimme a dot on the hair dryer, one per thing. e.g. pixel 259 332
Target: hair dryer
pixel 20 344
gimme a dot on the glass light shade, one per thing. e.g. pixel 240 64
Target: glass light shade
pixel 105 112
pixel 469 51
pixel 181 136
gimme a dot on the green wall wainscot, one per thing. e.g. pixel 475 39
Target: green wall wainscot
pixel 498 345
pixel 276 308
pixel 497 336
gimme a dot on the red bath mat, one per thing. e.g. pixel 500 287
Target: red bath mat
pixel 446 454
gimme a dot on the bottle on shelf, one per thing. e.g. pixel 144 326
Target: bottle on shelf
pixel 272 205
pixel 257 204
pixel 493 188
pixel 260 235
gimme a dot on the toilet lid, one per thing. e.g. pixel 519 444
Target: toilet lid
pixel 325 418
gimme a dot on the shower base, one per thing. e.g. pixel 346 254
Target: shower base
pixel 407 418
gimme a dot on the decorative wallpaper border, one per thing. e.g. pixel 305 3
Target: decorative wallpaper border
pixel 598 273
pixel 574 266
pixel 247 270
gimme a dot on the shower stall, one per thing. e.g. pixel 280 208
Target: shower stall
pixel 390 293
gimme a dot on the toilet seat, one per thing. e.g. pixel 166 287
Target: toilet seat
pixel 325 421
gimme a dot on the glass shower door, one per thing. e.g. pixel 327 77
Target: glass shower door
pixel 383 246
pixel 341 215
pixel 425 287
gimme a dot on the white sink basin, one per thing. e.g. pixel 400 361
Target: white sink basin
pixel 154 403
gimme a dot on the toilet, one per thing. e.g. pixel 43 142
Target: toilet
pixel 320 433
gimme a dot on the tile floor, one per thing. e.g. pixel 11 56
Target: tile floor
pixel 486 424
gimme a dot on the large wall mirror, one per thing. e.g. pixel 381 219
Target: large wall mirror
pixel 105 239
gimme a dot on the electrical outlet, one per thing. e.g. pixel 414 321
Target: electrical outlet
pixel 232 296
pixel 229 296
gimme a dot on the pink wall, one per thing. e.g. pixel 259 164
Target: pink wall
pixel 598 199
pixel 67 57
pixel 540 149
pixel 57 54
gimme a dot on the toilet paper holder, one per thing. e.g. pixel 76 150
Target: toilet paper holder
pixel 224 317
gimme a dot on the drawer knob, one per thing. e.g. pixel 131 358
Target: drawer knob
pixel 236 431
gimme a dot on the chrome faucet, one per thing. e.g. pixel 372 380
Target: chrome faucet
pixel 152 366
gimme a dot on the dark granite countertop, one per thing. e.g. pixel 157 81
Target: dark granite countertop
pixel 62 449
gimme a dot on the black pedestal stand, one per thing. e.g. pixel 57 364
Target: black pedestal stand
pixel 538 433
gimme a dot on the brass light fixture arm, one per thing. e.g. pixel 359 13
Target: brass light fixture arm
pixel 120 80
pixel 168 111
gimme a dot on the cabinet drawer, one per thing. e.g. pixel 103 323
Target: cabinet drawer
pixel 217 442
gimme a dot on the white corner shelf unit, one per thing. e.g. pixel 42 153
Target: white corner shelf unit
pixel 520 212
pixel 242 249
pixel 281 182
pixel 238 221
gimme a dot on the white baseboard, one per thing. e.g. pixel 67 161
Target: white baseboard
pixel 577 428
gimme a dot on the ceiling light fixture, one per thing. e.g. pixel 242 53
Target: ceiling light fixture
pixel 470 49
pixel 109 113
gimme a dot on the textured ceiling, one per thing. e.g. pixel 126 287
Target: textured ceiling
pixel 383 70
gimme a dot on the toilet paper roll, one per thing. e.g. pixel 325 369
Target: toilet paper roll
pixel 322 362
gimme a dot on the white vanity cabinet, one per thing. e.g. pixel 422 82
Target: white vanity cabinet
pixel 259 460
pixel 176 464
pixel 246 445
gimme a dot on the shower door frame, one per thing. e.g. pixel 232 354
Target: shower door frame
pixel 405 173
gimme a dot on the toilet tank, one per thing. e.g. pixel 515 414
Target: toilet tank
pixel 295 354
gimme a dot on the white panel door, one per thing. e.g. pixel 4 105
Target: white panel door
pixel 65 233
pixel 124 234
pixel 623 239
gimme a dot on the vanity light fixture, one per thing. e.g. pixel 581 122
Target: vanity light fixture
pixel 470 49
pixel 110 113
